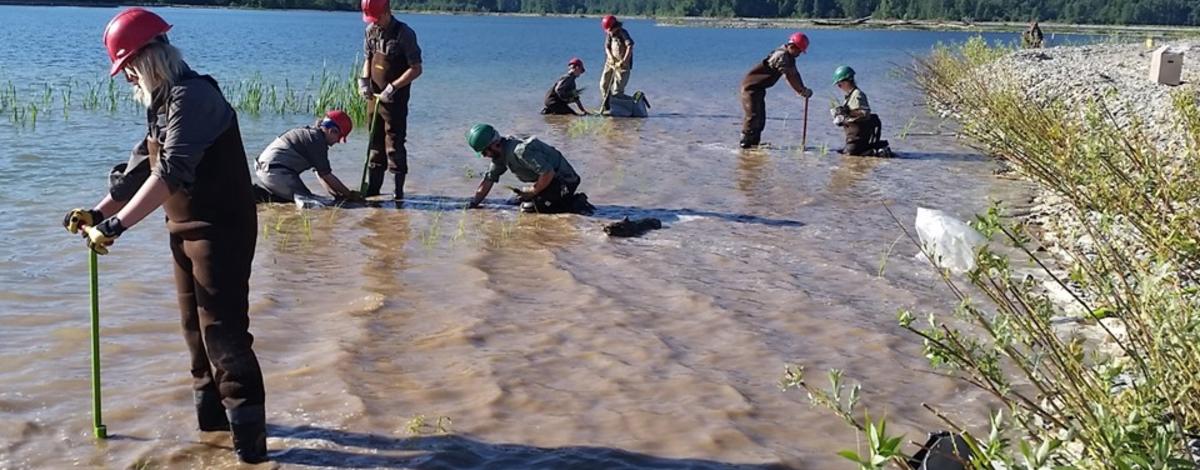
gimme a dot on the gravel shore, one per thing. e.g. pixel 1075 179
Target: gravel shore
pixel 1119 75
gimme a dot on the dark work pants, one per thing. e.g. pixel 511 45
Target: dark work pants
pixel 555 198
pixel 391 132
pixel 754 104
pixel 212 276
pixel 558 108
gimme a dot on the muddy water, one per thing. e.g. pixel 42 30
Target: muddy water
pixel 522 341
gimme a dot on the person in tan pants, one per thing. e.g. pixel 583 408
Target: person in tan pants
pixel 618 60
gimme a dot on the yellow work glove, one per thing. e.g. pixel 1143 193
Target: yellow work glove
pixel 101 236
pixel 80 217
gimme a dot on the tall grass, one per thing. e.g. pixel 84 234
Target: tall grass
pixel 1131 401
pixel 253 96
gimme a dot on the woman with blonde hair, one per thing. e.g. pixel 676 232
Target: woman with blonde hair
pixel 191 163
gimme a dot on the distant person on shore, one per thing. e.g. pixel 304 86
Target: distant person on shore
pixel 280 165
pixel 854 116
pixel 393 62
pixel 779 63
pixel 618 60
pixel 564 93
pixel 531 161
pixel 1033 38
pixel 192 164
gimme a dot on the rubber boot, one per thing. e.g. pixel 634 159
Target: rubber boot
pixel 374 181
pixel 399 186
pixel 249 426
pixel 210 413
pixel 750 140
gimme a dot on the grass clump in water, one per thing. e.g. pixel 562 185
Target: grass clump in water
pixel 1130 401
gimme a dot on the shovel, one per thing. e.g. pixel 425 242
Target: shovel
pixel 98 428
pixel 362 187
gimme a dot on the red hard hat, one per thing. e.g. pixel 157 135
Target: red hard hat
pixel 373 9
pixel 799 40
pixel 129 32
pixel 608 22
pixel 576 62
pixel 345 125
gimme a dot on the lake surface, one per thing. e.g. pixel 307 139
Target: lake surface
pixel 535 340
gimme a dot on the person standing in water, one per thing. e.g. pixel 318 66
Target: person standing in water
pixel 779 63
pixel 618 59
pixel 192 164
pixel 393 62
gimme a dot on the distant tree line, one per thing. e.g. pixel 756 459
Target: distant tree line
pixel 1157 12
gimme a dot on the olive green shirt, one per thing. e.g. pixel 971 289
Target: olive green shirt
pixel 857 100
pixel 528 159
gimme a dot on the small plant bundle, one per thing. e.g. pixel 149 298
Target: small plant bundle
pixel 1130 401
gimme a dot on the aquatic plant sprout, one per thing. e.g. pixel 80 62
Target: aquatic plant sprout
pixel 253 96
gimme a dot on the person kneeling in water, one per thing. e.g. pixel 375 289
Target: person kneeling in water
pixel 531 161
pixel 279 166
pixel 854 116
pixel 563 93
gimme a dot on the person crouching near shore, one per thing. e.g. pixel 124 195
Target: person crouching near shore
pixel 191 163
pixel 279 166
pixel 564 93
pixel 854 116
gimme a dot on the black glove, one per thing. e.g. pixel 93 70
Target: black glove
pixel 79 217
pixel 99 237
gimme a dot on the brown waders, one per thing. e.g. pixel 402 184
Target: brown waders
pixel 863 137
pixel 754 102
pixel 391 125
pixel 213 228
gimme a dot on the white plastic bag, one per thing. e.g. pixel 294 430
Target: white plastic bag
pixel 951 242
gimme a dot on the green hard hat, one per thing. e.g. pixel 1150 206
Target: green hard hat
pixel 842 73
pixel 481 136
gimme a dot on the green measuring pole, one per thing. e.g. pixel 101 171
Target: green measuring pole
pixel 97 420
pixel 362 188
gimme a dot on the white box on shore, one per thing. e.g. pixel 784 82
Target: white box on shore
pixel 1166 67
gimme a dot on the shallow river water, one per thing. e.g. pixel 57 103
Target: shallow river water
pixel 522 341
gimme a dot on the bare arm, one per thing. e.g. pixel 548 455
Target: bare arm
pixel 793 79
pixel 542 182
pixel 408 76
pixel 152 194
pixel 109 206
pixel 485 187
pixel 333 185
pixel 366 71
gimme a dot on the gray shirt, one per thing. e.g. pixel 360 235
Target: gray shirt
pixel 528 159
pixel 184 121
pixel 296 151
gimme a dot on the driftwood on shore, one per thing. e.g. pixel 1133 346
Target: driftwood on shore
pixel 845 22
